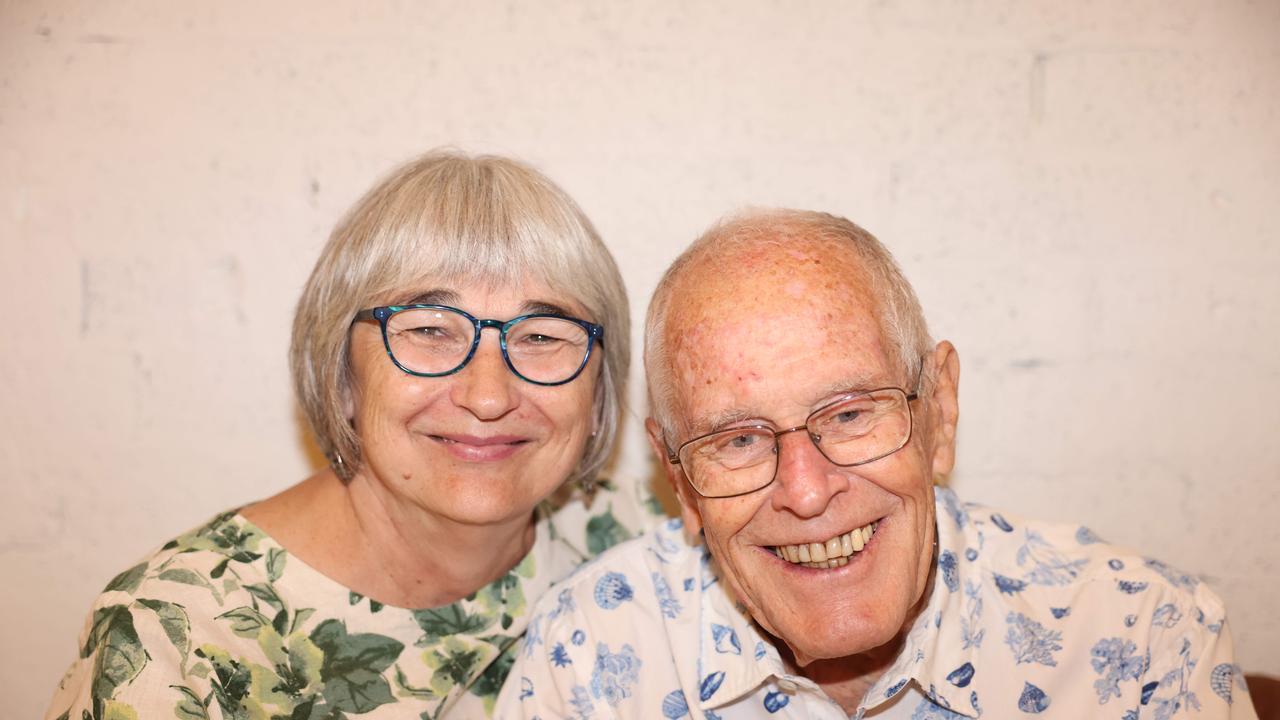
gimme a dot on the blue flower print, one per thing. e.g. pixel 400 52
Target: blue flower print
pixel 1223 677
pixel 1166 706
pixel 952 505
pixel 564 604
pixel 970 554
pixel 1048 566
pixel 775 701
pixel 1059 613
pixel 560 656
pixel 674 706
pixel 947 563
pixel 1030 641
pixel 726 640
pixel 614 673
pixel 688 584
pixel 710 684
pixel 1001 523
pixel 927 710
pixel 1115 564
pixel 1116 660
pixel 1085 536
pixel 581 703
pixel 971 630
pixel 1008 585
pixel 1173 575
pixel 578 637
pixel 961 676
pixel 1130 587
pixel 760 651
pixel 667 602
pixel 1166 616
pixel 526 688
pixel 894 688
pixel 533 636
pixel 612 590
pixel 1033 700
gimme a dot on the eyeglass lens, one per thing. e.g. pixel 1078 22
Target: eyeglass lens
pixel 436 341
pixel 852 431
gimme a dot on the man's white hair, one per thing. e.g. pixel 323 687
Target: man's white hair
pixel 901 320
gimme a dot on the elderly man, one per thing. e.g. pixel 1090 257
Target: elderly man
pixel 806 421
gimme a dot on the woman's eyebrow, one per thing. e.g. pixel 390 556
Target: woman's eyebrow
pixel 438 296
pixel 536 307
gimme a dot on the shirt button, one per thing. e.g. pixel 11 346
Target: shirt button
pixel 787 686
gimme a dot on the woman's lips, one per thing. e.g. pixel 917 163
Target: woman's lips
pixel 472 448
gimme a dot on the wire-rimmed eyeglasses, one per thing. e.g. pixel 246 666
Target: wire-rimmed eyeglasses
pixel 854 429
pixel 438 340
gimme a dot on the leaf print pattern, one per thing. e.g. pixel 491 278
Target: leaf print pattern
pixel 226 624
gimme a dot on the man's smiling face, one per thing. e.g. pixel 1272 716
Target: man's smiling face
pixel 764 338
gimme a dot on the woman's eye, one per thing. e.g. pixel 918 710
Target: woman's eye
pixel 540 339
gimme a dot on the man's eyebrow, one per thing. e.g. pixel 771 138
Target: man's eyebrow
pixel 855 383
pixel 718 421
pixel 714 422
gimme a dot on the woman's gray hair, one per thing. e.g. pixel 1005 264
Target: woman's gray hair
pixel 901 320
pixel 443 218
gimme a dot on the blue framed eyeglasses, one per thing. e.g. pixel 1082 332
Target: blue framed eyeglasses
pixel 438 340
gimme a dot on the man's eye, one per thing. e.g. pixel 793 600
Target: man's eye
pixel 846 416
pixel 739 442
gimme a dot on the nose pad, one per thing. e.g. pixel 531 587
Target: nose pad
pixel 806 480
pixel 485 386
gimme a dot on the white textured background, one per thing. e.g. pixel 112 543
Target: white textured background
pixel 1085 195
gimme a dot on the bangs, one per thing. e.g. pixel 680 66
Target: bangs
pixel 485 225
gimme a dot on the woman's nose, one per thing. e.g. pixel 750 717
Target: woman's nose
pixel 486 386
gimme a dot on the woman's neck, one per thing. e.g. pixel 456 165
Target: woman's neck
pixel 362 536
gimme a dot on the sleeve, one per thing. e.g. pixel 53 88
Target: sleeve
pixel 129 665
pixel 1191 665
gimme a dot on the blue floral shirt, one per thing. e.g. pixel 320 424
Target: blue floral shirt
pixel 1023 618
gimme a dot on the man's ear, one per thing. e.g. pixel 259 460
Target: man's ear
pixel 675 475
pixel 946 404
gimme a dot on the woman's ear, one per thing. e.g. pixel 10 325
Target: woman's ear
pixel 689 511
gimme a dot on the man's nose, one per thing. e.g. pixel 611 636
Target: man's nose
pixel 806 481
pixel 485 387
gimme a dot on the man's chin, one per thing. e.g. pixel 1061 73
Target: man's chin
pixel 833 641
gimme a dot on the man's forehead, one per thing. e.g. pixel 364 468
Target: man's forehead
pixel 744 341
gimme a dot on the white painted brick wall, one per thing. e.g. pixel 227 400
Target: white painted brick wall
pixel 1084 193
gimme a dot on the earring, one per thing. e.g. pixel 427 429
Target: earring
pixel 339 466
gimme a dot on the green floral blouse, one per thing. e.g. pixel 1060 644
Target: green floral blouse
pixel 223 623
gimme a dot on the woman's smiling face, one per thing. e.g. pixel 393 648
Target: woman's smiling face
pixel 480 446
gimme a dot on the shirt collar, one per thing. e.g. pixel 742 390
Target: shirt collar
pixel 939 651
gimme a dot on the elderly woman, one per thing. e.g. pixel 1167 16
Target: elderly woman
pixel 460 351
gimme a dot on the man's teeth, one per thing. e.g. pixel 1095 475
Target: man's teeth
pixel 830 554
